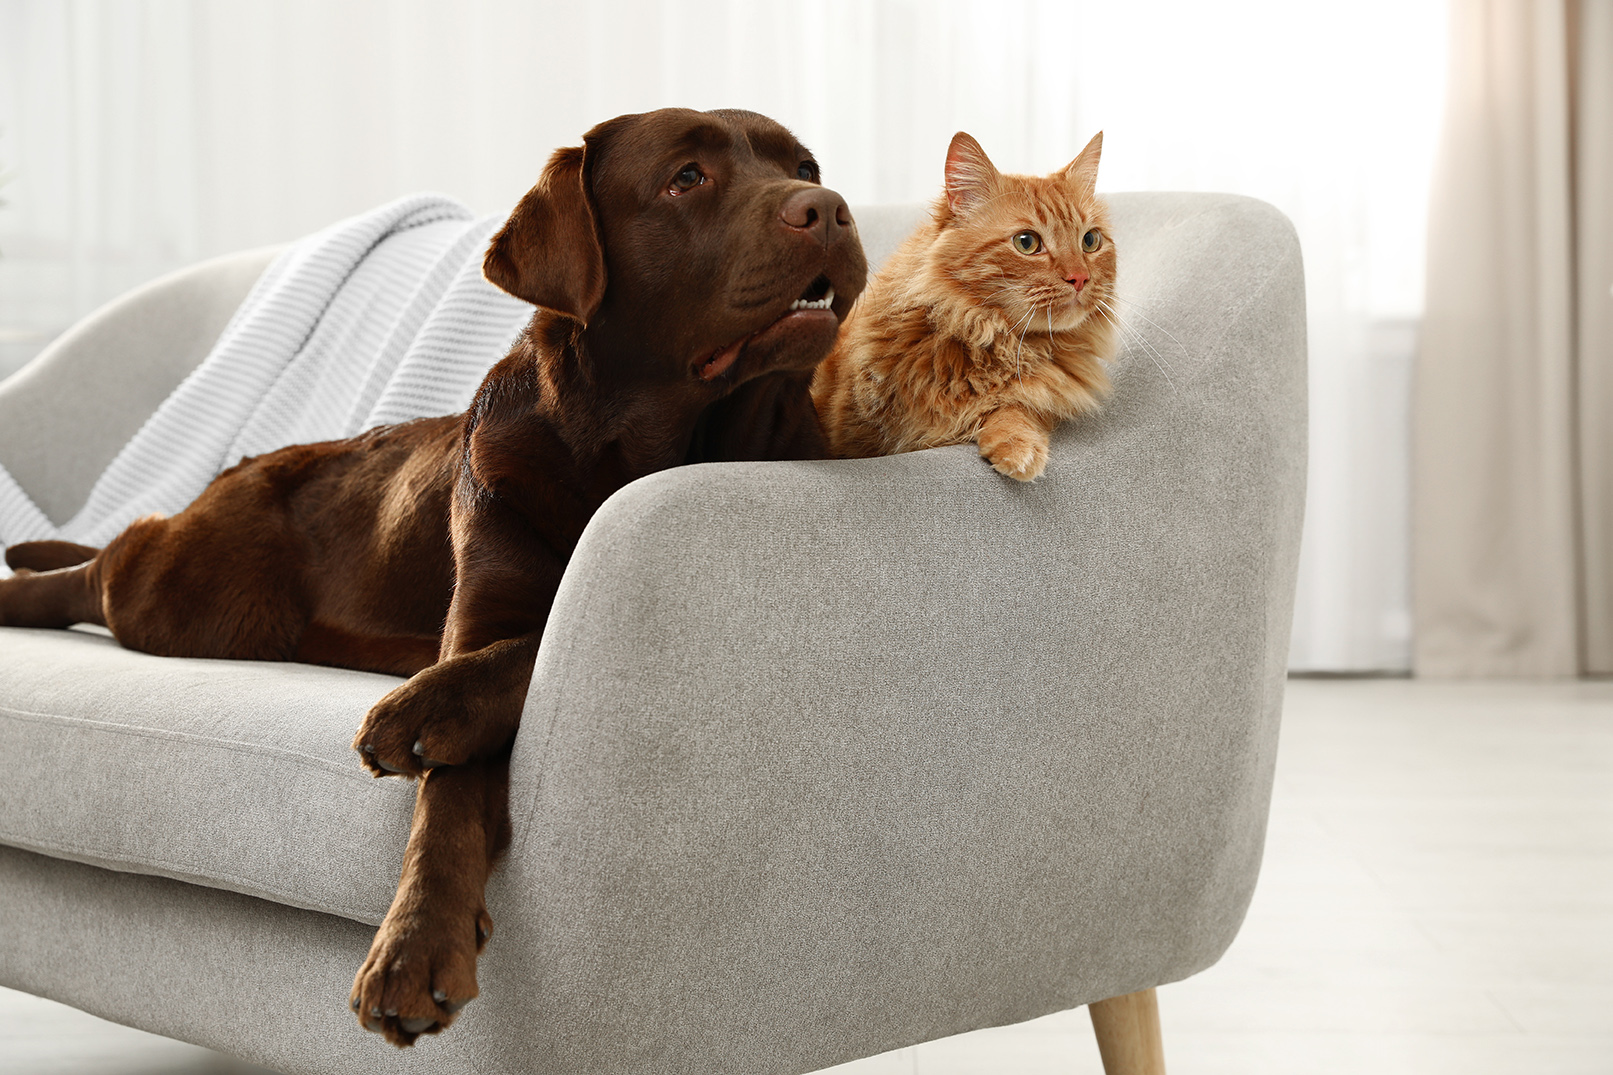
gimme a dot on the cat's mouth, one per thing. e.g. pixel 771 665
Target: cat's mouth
pixel 816 301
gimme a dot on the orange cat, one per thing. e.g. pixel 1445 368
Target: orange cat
pixel 990 323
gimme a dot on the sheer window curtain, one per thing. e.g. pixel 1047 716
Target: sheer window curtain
pixel 1514 423
pixel 147 134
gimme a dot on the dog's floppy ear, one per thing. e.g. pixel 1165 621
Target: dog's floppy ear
pixel 548 251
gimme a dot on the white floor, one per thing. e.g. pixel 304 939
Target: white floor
pixel 1437 898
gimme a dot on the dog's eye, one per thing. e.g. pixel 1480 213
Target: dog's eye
pixel 1092 240
pixel 1027 242
pixel 808 171
pixel 688 179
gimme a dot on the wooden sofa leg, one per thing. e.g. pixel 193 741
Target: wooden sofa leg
pixel 1128 1034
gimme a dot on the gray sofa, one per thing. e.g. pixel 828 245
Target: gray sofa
pixel 820 759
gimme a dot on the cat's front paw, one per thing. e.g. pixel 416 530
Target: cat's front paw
pixel 1017 456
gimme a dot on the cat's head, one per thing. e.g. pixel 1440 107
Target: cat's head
pixel 1038 248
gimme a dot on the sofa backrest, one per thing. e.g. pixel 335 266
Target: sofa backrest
pixel 68 412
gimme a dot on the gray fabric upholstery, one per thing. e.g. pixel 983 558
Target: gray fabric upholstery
pixel 883 227
pixel 258 980
pixel 234 774
pixel 819 759
pixel 65 414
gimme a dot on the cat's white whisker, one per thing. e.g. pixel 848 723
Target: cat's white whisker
pixel 1159 358
pixel 1150 320
pixel 1132 335
pixel 1018 369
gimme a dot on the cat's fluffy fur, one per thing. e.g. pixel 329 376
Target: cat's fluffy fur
pixel 963 336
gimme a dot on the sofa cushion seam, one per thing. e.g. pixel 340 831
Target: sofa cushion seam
pixel 237 746
pixel 272 894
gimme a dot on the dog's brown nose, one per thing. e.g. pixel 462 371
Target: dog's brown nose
pixel 818 211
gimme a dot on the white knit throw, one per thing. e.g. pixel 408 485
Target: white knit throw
pixel 381 318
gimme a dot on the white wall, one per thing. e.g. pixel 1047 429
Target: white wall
pixel 146 134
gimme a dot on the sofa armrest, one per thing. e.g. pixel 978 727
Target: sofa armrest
pixel 830 757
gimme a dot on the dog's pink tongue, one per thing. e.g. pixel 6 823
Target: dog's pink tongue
pixel 718 364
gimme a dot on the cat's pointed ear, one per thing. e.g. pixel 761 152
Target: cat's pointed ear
pixel 971 177
pixel 1082 172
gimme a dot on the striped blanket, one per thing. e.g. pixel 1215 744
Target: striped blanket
pixel 381 318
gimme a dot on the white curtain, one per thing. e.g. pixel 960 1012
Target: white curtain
pixel 145 134
pixel 1514 449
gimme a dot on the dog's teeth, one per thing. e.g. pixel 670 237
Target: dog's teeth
pixel 818 304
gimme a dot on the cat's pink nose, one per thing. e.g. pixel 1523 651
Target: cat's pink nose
pixel 1079 280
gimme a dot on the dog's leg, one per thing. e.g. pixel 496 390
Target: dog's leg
pixel 460 709
pixel 57 598
pixel 47 555
pixel 421 967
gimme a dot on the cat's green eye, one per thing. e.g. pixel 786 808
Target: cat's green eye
pixel 1027 242
pixel 1092 240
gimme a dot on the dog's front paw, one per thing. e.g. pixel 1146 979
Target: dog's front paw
pixel 425 723
pixel 420 972
pixel 389 740
pixel 460 709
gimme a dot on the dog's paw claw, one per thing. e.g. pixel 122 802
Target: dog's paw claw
pixel 390 740
pixel 420 972
pixel 463 708
pixel 425 762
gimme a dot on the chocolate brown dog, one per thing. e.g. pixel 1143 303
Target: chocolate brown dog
pixel 690 272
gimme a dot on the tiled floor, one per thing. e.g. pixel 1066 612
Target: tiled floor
pixel 1437 898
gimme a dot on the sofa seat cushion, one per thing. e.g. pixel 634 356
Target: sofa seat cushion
pixel 231 774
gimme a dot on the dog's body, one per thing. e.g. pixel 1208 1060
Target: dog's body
pixel 689 272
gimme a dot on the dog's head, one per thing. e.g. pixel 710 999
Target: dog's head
pixel 700 246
